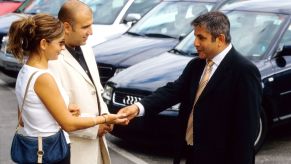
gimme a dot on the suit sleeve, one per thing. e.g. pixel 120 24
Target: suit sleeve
pixel 168 95
pixel 246 115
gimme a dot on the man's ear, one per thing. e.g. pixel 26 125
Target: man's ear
pixel 221 39
pixel 43 44
pixel 67 27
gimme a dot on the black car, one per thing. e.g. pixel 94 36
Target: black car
pixel 157 32
pixel 260 30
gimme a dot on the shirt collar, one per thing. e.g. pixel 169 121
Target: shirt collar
pixel 218 58
pixel 75 52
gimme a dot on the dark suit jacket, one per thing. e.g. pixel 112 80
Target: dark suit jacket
pixel 226 114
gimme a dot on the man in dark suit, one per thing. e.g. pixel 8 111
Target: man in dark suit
pixel 220 95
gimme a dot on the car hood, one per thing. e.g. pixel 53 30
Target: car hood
pixel 101 33
pixel 152 73
pixel 128 50
pixel 6 21
pixel 156 72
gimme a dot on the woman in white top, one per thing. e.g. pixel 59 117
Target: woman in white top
pixel 45 110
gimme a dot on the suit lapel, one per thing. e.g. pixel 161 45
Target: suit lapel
pixel 68 58
pixel 91 63
pixel 221 72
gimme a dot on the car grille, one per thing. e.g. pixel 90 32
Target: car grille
pixel 106 71
pixel 125 98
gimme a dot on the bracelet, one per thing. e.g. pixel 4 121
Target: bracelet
pixel 104 119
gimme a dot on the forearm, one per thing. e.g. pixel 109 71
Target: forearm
pixel 78 123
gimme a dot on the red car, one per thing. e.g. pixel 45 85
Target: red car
pixel 7 6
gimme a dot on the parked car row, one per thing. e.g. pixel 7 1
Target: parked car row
pixel 111 19
pixel 139 47
pixel 157 32
pixel 260 30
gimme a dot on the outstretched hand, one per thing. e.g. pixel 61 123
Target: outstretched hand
pixel 130 111
pixel 116 119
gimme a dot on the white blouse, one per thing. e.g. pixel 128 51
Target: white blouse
pixel 36 118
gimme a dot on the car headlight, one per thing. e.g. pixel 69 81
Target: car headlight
pixel 118 70
pixel 4 43
pixel 175 107
pixel 107 94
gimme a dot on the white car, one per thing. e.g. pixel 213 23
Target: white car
pixel 114 17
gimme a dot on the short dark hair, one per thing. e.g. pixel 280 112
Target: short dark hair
pixel 216 23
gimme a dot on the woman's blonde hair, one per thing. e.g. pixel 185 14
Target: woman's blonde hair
pixel 25 34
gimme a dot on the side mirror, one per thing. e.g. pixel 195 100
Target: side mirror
pixel 284 50
pixel 280 61
pixel 131 18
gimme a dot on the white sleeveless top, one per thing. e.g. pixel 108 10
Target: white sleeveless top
pixel 36 118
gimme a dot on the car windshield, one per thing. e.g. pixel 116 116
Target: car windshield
pixel 170 19
pixel 44 6
pixel 251 33
pixel 106 11
pixel 186 46
pixel 141 6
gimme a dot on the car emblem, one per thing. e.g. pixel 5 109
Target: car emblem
pixel 128 100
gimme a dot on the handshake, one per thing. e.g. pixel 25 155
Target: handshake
pixel 128 113
pixel 123 116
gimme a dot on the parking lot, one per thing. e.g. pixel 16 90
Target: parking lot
pixel 261 34
pixel 276 150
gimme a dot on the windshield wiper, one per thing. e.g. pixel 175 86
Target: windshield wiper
pixel 135 34
pixel 176 51
pixel 158 35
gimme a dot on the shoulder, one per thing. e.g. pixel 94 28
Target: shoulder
pixel 242 64
pixel 196 62
pixel 44 78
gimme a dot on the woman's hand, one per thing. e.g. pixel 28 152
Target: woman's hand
pixel 120 119
pixel 74 110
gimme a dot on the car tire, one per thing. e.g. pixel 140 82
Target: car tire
pixel 262 132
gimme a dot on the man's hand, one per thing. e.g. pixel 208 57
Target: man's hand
pixel 74 109
pixel 129 111
pixel 104 128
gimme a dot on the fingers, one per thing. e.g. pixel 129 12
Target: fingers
pixel 74 109
pixel 102 130
pixel 123 121
pixel 130 111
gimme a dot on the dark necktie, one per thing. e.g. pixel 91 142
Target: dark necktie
pixel 81 60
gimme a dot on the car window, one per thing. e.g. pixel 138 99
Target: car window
pixel 44 6
pixel 106 11
pixel 187 45
pixel 286 39
pixel 252 32
pixel 170 18
pixel 141 6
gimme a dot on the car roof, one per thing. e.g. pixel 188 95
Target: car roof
pixel 275 6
